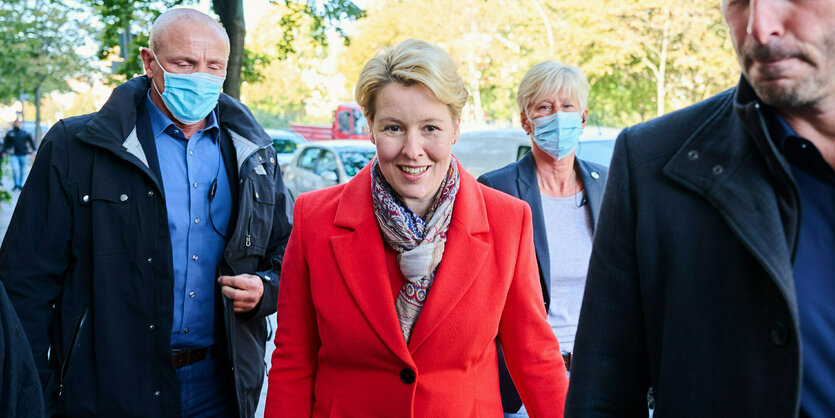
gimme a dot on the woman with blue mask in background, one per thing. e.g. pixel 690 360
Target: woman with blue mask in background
pixel 564 195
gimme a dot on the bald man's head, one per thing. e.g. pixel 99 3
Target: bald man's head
pixel 181 16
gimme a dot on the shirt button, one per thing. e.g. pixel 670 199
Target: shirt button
pixel 191 294
pixel 594 175
pixel 156 394
pixel 693 155
pixel 718 169
pixel 151 327
pixel 803 145
pixel 176 132
pixel 272 160
pixel 194 257
pixel 191 152
pixel 197 220
pixel 407 376
pixel 194 184
pixel 150 192
pixel 86 198
pixel 150 260
pixel 185 331
pixel 123 197
pixel 256 195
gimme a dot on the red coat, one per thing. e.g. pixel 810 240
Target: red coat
pixel 339 348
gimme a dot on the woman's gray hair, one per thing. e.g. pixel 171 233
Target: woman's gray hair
pixel 412 62
pixel 547 78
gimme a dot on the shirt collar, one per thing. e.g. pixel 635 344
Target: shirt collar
pixel 162 124
pixel 779 128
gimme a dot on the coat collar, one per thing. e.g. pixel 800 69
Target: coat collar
pixel 362 246
pixel 114 126
pixel 593 182
pixel 526 182
pixel 731 165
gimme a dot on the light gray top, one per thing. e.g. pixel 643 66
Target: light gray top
pixel 569 229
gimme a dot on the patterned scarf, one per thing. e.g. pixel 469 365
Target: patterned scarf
pixel 419 243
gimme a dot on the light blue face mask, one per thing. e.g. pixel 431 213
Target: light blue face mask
pixel 189 97
pixel 559 133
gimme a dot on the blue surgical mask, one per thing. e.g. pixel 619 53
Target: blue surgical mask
pixel 189 97
pixel 559 133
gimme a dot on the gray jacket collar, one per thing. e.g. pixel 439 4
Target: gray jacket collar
pixel 114 125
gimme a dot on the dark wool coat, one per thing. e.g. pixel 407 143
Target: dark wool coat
pixel 690 288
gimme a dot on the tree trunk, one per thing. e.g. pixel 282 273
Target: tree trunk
pixel 38 133
pixel 231 13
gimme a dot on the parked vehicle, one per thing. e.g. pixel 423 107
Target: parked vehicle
pixel 320 164
pixel 483 151
pixel 348 123
pixel 285 143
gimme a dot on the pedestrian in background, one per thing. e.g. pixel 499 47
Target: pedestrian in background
pixel 20 143
pixel 396 285
pixel 711 276
pixel 145 257
pixel 563 193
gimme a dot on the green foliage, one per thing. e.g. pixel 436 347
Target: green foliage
pixel 125 29
pixel 320 16
pixel 39 39
pixel 136 16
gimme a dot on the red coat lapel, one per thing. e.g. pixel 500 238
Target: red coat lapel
pixel 462 262
pixel 361 258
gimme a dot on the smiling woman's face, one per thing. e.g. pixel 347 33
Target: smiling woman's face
pixel 414 133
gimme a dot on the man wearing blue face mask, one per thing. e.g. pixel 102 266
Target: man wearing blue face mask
pixel 147 253
pixel 564 194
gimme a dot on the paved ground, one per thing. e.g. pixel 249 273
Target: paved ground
pixel 6 210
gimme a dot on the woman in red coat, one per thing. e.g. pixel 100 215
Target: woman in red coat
pixel 396 286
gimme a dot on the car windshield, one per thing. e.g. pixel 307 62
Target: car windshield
pixel 284 146
pixel 355 160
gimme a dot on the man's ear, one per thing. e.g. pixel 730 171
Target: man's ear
pixel 147 59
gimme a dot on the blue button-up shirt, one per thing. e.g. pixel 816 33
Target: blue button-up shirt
pixel 188 168
pixel 814 267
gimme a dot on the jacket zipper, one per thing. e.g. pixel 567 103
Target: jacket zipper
pixel 248 236
pixel 66 364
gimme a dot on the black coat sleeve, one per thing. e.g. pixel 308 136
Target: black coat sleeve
pixel 609 369
pixel 20 388
pixel 35 254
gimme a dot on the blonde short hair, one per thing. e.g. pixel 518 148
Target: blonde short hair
pixel 412 62
pixel 547 79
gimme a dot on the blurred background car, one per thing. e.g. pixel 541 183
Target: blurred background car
pixel 285 143
pixel 320 164
pixel 482 151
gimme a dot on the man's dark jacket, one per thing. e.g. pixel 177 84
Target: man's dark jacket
pixel 87 260
pixel 19 141
pixel 690 287
pixel 20 388
pixel 519 180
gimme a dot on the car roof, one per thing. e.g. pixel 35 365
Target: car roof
pixel 337 144
pixel 284 134
pixel 590 133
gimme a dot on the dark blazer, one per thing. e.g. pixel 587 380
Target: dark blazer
pixel 519 180
pixel 690 287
